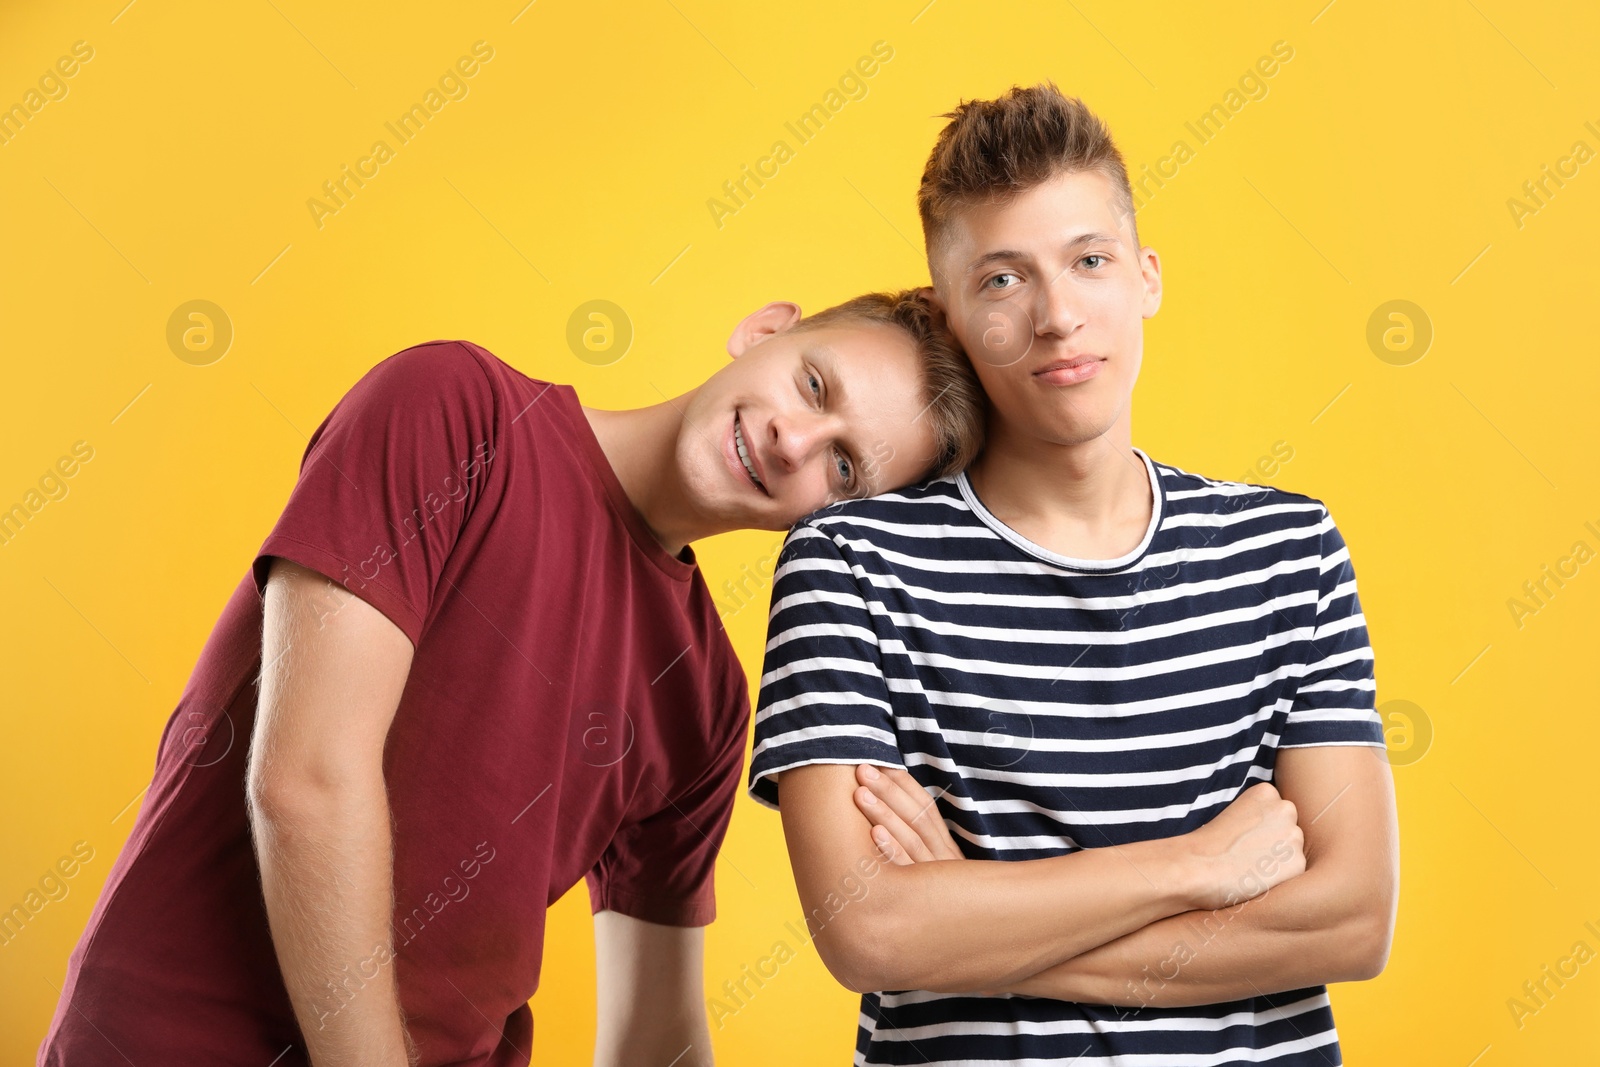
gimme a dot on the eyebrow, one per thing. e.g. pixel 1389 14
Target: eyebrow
pixel 1012 255
pixel 825 362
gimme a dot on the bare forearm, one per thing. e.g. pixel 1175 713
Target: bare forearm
pixel 977 924
pixel 326 875
pixel 1302 933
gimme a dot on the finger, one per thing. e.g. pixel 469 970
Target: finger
pixel 919 810
pixel 881 837
pixel 906 799
pixel 888 849
pixel 929 820
pixel 884 815
pixel 897 789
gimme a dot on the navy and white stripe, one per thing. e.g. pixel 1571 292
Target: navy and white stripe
pixel 1056 704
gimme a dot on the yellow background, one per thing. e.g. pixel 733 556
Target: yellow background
pixel 1378 166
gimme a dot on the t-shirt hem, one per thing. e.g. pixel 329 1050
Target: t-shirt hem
pixel 1331 744
pixel 664 912
pixel 764 778
pixel 330 565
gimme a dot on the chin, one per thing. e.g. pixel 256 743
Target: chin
pixel 1063 428
pixel 768 523
pixel 733 507
pixel 701 477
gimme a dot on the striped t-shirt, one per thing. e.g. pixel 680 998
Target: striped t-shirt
pixel 1054 704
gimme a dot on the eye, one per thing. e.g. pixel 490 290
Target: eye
pixel 846 470
pixel 1093 255
pixel 991 283
pixel 815 385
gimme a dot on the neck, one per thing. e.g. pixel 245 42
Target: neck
pixel 1088 499
pixel 641 446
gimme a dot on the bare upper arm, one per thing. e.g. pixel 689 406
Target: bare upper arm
pixel 649 982
pixel 835 863
pixel 333 669
pixel 634 958
pixel 1344 795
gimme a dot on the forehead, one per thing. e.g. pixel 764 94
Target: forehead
pixel 878 371
pixel 1037 219
pixel 875 365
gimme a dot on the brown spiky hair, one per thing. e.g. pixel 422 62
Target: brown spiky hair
pixel 991 150
pixel 952 399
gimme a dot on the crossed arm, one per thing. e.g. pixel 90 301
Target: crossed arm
pixel 1095 925
pixel 319 813
pixel 1332 923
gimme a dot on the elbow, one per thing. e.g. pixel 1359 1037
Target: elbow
pixel 854 974
pixel 274 796
pixel 879 943
pixel 858 949
pixel 1370 947
pixel 1368 963
pixel 1354 923
pixel 263 794
pixel 278 797
pixel 854 959
pixel 273 801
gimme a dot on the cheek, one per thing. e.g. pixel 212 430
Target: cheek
pixel 1132 339
pixel 1126 304
pixel 901 456
pixel 968 324
pixel 813 489
pixel 1109 304
pixel 998 381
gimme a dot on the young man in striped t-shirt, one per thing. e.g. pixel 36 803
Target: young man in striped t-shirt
pixel 1147 693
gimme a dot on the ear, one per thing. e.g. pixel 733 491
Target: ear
pixel 938 292
pixel 1150 268
pixel 931 295
pixel 761 324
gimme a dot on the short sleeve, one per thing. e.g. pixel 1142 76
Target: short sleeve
pixel 824 698
pixel 388 480
pixel 1334 702
pixel 662 869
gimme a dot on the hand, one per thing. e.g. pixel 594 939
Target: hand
pixel 1254 844
pixel 906 824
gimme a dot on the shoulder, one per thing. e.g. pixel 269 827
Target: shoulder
pixel 915 513
pixel 431 382
pixel 440 369
pixel 1197 498
pixel 453 379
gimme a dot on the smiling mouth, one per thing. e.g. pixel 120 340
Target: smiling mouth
pixel 744 453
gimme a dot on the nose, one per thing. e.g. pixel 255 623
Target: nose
pixel 1058 311
pixel 794 437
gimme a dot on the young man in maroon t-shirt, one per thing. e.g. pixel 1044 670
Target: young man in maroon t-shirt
pixel 474 662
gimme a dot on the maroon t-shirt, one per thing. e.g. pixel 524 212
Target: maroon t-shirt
pixel 574 710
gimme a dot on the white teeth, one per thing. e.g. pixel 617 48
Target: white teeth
pixel 744 453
